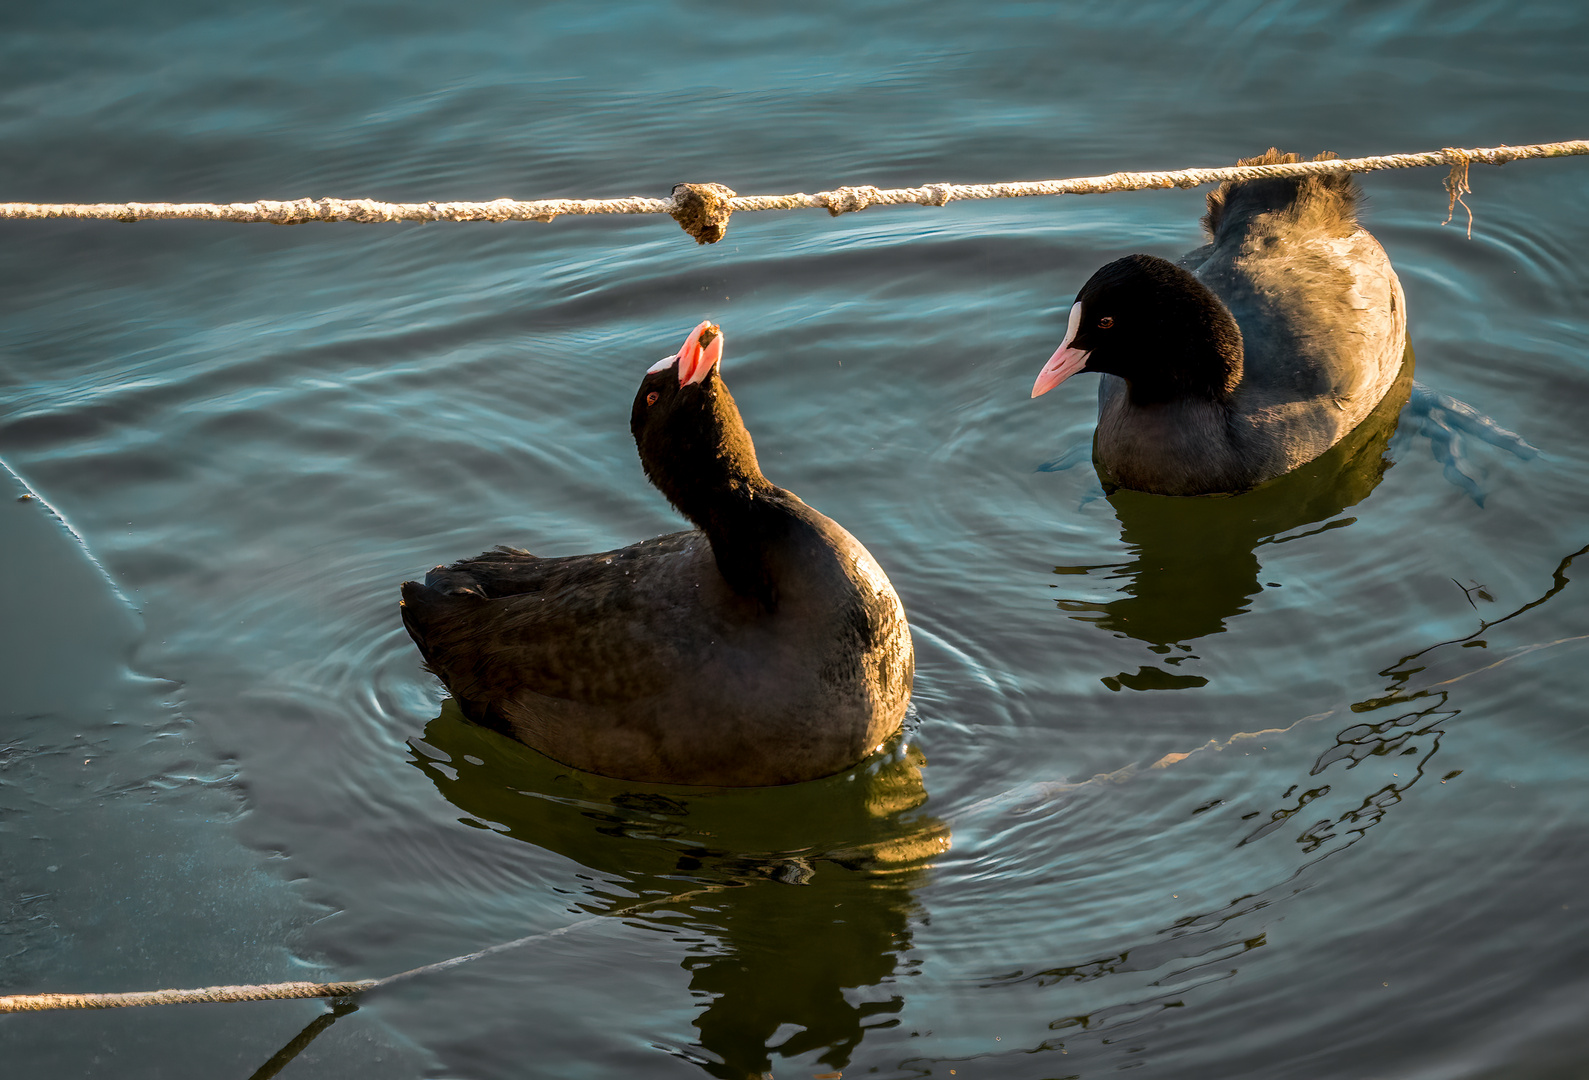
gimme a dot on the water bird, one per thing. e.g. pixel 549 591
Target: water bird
pixel 1251 356
pixel 765 646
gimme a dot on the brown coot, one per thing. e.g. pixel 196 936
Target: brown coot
pixel 1254 355
pixel 766 646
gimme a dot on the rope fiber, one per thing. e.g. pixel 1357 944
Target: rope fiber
pixel 273 992
pixel 703 209
pixel 288 990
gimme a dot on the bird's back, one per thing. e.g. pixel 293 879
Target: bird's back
pixel 1322 314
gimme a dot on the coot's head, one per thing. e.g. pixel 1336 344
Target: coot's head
pixel 1154 325
pixel 686 426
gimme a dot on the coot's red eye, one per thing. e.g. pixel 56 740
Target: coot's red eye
pixel 1106 322
pixel 651 398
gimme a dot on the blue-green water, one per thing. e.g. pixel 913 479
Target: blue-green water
pixel 221 762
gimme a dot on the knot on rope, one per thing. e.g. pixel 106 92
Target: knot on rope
pixel 846 200
pixel 938 194
pixel 702 210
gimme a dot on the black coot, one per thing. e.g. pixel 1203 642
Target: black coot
pixel 764 647
pixel 1254 355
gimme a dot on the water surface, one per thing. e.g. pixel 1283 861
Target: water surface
pixel 1282 785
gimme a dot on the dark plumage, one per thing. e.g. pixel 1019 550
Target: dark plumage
pixel 1254 355
pixel 764 647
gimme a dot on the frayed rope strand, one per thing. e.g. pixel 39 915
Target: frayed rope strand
pixel 703 209
pixel 289 990
pixel 1457 186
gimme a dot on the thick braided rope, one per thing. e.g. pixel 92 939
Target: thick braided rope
pixel 841 200
pixel 287 990
pixel 276 991
pixel 856 198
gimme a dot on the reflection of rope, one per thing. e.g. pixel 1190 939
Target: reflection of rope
pixel 703 209
pixel 1558 581
pixel 287 990
pixel 1030 796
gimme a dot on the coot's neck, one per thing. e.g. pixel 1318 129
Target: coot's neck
pixel 745 525
pixel 707 468
pixel 1201 373
pixel 1188 446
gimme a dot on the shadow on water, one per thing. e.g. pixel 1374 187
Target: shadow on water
pixel 1195 561
pixel 300 1042
pixel 810 886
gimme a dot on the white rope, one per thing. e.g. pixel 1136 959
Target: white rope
pixel 281 991
pixel 273 992
pixel 838 201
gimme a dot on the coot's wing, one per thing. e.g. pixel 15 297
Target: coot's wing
pixel 1322 320
pixel 502 571
pixel 1195 258
pixel 594 629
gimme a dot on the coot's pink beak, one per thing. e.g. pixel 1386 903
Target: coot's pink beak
pixel 701 352
pixel 1066 361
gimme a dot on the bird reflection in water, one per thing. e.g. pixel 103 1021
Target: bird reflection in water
pixel 800 917
pixel 1195 560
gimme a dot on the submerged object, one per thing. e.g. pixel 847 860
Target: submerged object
pixel 766 646
pixel 1254 355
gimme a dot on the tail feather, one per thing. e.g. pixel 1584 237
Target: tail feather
pixel 427 610
pixel 434 619
pixel 414 605
pixel 1331 199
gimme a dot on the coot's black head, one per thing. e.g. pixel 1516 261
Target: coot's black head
pixel 691 439
pixel 1154 325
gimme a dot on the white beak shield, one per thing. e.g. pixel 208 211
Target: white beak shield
pixel 1066 361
